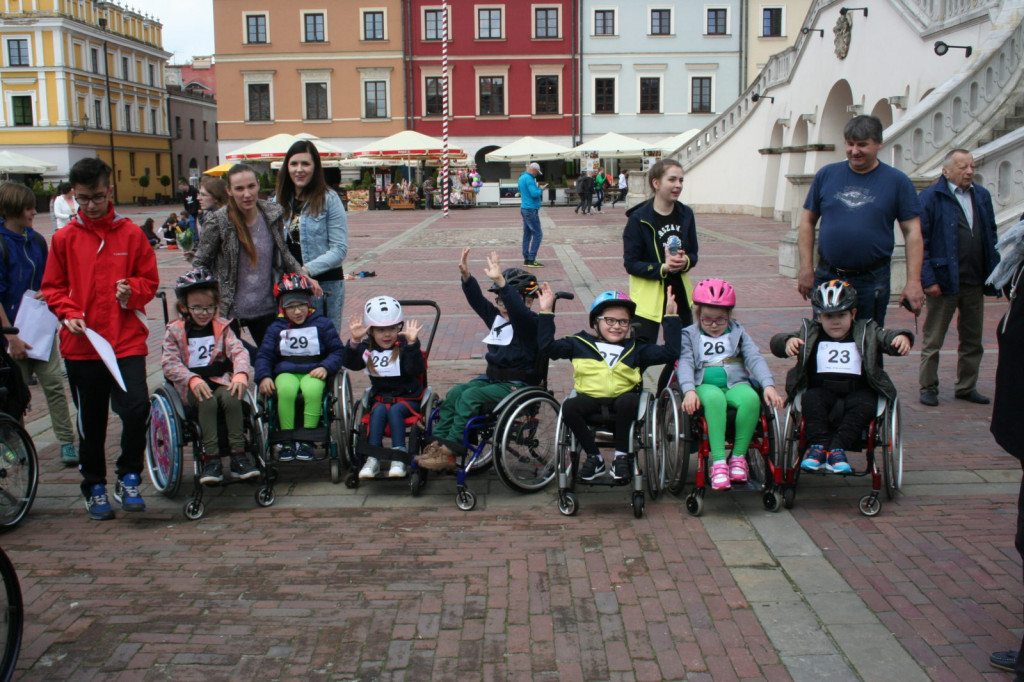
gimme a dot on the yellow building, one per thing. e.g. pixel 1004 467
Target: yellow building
pixel 81 79
pixel 771 27
pixel 334 70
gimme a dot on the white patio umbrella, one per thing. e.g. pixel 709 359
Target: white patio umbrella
pixel 674 142
pixel 611 146
pixel 275 147
pixel 408 144
pixel 13 162
pixel 527 149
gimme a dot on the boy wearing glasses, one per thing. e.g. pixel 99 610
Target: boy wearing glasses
pixel 100 275
pixel 607 370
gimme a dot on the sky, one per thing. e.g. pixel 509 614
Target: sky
pixel 188 25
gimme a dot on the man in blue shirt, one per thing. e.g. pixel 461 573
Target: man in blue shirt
pixel 530 193
pixel 858 200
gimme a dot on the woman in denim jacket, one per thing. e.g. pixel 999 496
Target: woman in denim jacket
pixel 315 227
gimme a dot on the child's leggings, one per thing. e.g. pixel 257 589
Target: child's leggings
pixel 288 387
pixel 206 414
pixel 715 401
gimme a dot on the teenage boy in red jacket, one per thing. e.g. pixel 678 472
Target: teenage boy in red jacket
pixel 101 273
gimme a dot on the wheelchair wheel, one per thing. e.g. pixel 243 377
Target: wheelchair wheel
pixel 335 471
pixel 356 430
pixel 638 505
pixel 13 609
pixel 686 445
pixel 789 497
pixel 265 496
pixel 465 499
pixel 789 449
pixel 695 502
pixel 892 449
pixel 194 510
pixel 869 505
pixel 568 503
pixel 19 472
pixel 255 430
pixel 417 479
pixel 164 446
pixel 341 420
pixel 653 460
pixel 771 500
pixel 667 421
pixel 525 443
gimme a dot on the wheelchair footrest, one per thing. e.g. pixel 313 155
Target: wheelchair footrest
pixel 382 454
pixel 316 435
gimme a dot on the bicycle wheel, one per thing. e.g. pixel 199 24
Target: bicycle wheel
pixel 524 458
pixel 13 610
pixel 19 472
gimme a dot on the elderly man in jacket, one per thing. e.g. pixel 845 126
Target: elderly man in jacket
pixel 959 229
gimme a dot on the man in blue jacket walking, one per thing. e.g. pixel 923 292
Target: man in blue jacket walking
pixel 959 228
pixel 530 192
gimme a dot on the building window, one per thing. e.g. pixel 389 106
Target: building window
pixel 604 22
pixel 206 132
pixel 432 29
pixel 17 52
pixel 433 87
pixel 177 127
pixel 21 110
pixel 95 55
pixel 650 95
pixel 259 101
pixel 717 22
pixel 373 26
pixel 488 23
pixel 700 95
pixel 546 94
pixel 131 164
pixel 315 28
pixel 661 22
pixel 152 75
pixel 316 101
pixel 255 28
pixel 124 69
pixel 492 95
pixel 604 95
pixel 155 130
pixel 97 113
pixel 159 169
pixel 376 94
pixel 192 128
pixel 545 22
pixel 771 22
pixel 128 117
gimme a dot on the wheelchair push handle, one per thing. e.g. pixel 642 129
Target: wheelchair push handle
pixel 424 303
pixel 8 331
pixel 162 295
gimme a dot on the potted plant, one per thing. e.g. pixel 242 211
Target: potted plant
pixel 143 183
pixel 44 195
pixel 165 182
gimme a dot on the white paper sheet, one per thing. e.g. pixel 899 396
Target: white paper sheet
pixel 36 326
pixel 106 352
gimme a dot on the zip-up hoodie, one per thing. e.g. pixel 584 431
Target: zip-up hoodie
pixel 23 268
pixel 643 256
pixel 270 362
pixel 87 259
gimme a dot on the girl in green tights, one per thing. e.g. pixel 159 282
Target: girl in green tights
pixel 716 363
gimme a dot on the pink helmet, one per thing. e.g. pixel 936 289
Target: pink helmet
pixel 716 292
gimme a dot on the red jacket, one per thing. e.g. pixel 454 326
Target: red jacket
pixel 87 259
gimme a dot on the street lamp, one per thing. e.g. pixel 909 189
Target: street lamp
pixel 110 112
pixel 820 31
pixel 756 96
pixel 942 48
pixel 845 10
pixel 81 128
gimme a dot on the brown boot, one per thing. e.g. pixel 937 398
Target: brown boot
pixel 431 457
pixel 447 458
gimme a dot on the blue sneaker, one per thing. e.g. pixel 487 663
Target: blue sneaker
pixel 304 451
pixel 837 463
pixel 68 456
pixel 286 453
pixel 97 503
pixel 814 459
pixel 126 491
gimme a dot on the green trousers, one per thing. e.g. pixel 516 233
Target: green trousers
pixel 715 401
pixel 288 387
pixel 463 402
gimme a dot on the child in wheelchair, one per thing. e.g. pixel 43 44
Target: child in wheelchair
pixel 608 371
pixel 300 350
pixel 395 368
pixel 839 369
pixel 717 362
pixel 511 356
pixel 210 369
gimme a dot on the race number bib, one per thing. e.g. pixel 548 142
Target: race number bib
pixel 838 358
pixel 382 363
pixel 200 351
pixel 501 332
pixel 298 342
pixel 715 350
pixel 610 352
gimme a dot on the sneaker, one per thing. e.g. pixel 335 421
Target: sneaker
pixel 397 470
pixel 97 503
pixel 286 453
pixel 126 491
pixel 592 467
pixel 814 459
pixel 68 456
pixel 212 472
pixel 837 463
pixel 243 466
pixel 370 469
pixel 720 476
pixel 621 468
pixel 304 451
pixel 738 469
pixel 533 264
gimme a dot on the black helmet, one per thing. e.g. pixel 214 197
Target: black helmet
pixel 194 280
pixel 833 296
pixel 521 281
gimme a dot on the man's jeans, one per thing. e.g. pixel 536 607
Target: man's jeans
pixel 532 233
pixel 872 290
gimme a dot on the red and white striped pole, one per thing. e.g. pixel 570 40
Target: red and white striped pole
pixel 444 107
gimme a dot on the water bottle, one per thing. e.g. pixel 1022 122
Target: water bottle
pixel 674 244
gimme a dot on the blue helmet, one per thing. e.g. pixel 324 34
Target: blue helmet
pixel 610 299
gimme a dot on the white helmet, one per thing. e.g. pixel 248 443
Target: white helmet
pixel 382 311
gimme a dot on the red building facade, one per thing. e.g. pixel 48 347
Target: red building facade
pixel 510 67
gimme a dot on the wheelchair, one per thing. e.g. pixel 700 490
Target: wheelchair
pixel 516 435
pixel 19 464
pixel 884 432
pixel 359 450
pixel 644 454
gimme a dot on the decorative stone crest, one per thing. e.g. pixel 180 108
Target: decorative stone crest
pixel 842 31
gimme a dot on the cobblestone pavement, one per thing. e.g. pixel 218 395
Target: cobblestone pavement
pixel 372 584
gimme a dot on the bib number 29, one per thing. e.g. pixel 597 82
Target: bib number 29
pixel 298 342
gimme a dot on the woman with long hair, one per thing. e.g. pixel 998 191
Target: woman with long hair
pixel 243 246
pixel 315 225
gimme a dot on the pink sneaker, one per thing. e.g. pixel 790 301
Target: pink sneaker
pixel 738 469
pixel 720 476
